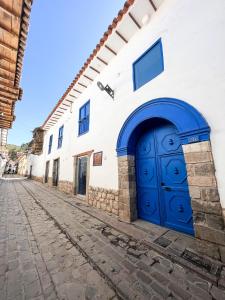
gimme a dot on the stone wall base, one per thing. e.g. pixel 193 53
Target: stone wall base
pixel 105 199
pixel 36 178
pixel 207 212
pixel 49 182
pixel 66 186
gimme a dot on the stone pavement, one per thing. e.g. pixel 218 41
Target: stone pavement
pixel 74 254
pixel 37 261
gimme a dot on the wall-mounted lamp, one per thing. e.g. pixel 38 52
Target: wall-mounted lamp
pixel 106 88
pixel 1 114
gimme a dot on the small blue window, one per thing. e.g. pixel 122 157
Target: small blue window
pixel 50 144
pixel 84 118
pixel 148 66
pixel 60 137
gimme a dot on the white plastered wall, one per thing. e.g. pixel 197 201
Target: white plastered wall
pixel 193 41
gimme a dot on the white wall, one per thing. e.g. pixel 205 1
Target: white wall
pixel 193 40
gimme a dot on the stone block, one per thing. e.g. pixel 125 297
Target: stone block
pixel 115 211
pixel 115 205
pixel 208 181
pixel 207 248
pixel 210 234
pixel 197 147
pixel 204 169
pixel 195 192
pixel 190 169
pixel 222 255
pixel 199 218
pixel 210 194
pixel 214 221
pixel 206 207
pixel 198 157
pixel 217 294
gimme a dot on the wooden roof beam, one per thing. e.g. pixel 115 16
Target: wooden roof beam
pixel 7 70
pixel 72 97
pixel 62 108
pixel 134 20
pixel 14 33
pixel 8 95
pixel 102 60
pixel 77 91
pixel 87 78
pixel 9 10
pixel 6 78
pixel 7 84
pixel 9 60
pixel 5 45
pixel 83 85
pixel 4 102
pixel 5 124
pixel 153 5
pixel 121 36
pixel 92 68
pixel 7 118
pixel 13 92
pixel 110 49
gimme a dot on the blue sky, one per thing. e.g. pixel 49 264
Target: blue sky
pixel 61 37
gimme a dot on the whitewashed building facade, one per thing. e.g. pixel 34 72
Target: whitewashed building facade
pixel 147 141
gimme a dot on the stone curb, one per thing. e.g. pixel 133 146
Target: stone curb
pixel 164 252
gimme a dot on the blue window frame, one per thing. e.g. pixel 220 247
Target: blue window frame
pixel 148 65
pixel 84 118
pixel 50 144
pixel 60 137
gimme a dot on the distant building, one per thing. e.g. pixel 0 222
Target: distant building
pixel 22 165
pixel 140 131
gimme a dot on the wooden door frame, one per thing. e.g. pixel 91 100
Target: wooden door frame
pixel 75 175
pixel 46 179
pixel 57 172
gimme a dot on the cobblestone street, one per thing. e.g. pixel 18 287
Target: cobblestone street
pixel 51 248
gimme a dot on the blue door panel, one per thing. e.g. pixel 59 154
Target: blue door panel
pixel 146 147
pixel 146 173
pixel 173 170
pixel 162 189
pixel 167 139
pixel 148 206
pixel 178 210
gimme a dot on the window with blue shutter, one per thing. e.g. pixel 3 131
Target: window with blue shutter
pixel 148 66
pixel 84 118
pixel 50 144
pixel 60 137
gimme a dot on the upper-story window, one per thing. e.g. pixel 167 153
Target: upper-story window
pixel 84 118
pixel 60 137
pixel 50 144
pixel 148 66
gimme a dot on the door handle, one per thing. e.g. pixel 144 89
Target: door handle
pixel 166 188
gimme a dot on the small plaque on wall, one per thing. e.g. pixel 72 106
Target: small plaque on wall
pixel 97 159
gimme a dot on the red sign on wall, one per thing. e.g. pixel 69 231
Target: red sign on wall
pixel 97 158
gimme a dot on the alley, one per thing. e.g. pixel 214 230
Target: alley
pixel 52 249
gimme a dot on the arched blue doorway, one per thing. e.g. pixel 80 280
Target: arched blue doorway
pixel 161 177
pixel 153 134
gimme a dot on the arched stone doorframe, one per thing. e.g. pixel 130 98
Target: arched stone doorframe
pixel 194 133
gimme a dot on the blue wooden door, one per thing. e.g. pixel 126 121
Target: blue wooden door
pixel 162 190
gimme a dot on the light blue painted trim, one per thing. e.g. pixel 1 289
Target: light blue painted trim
pixel 84 132
pixel 191 125
pixel 60 137
pixel 159 41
